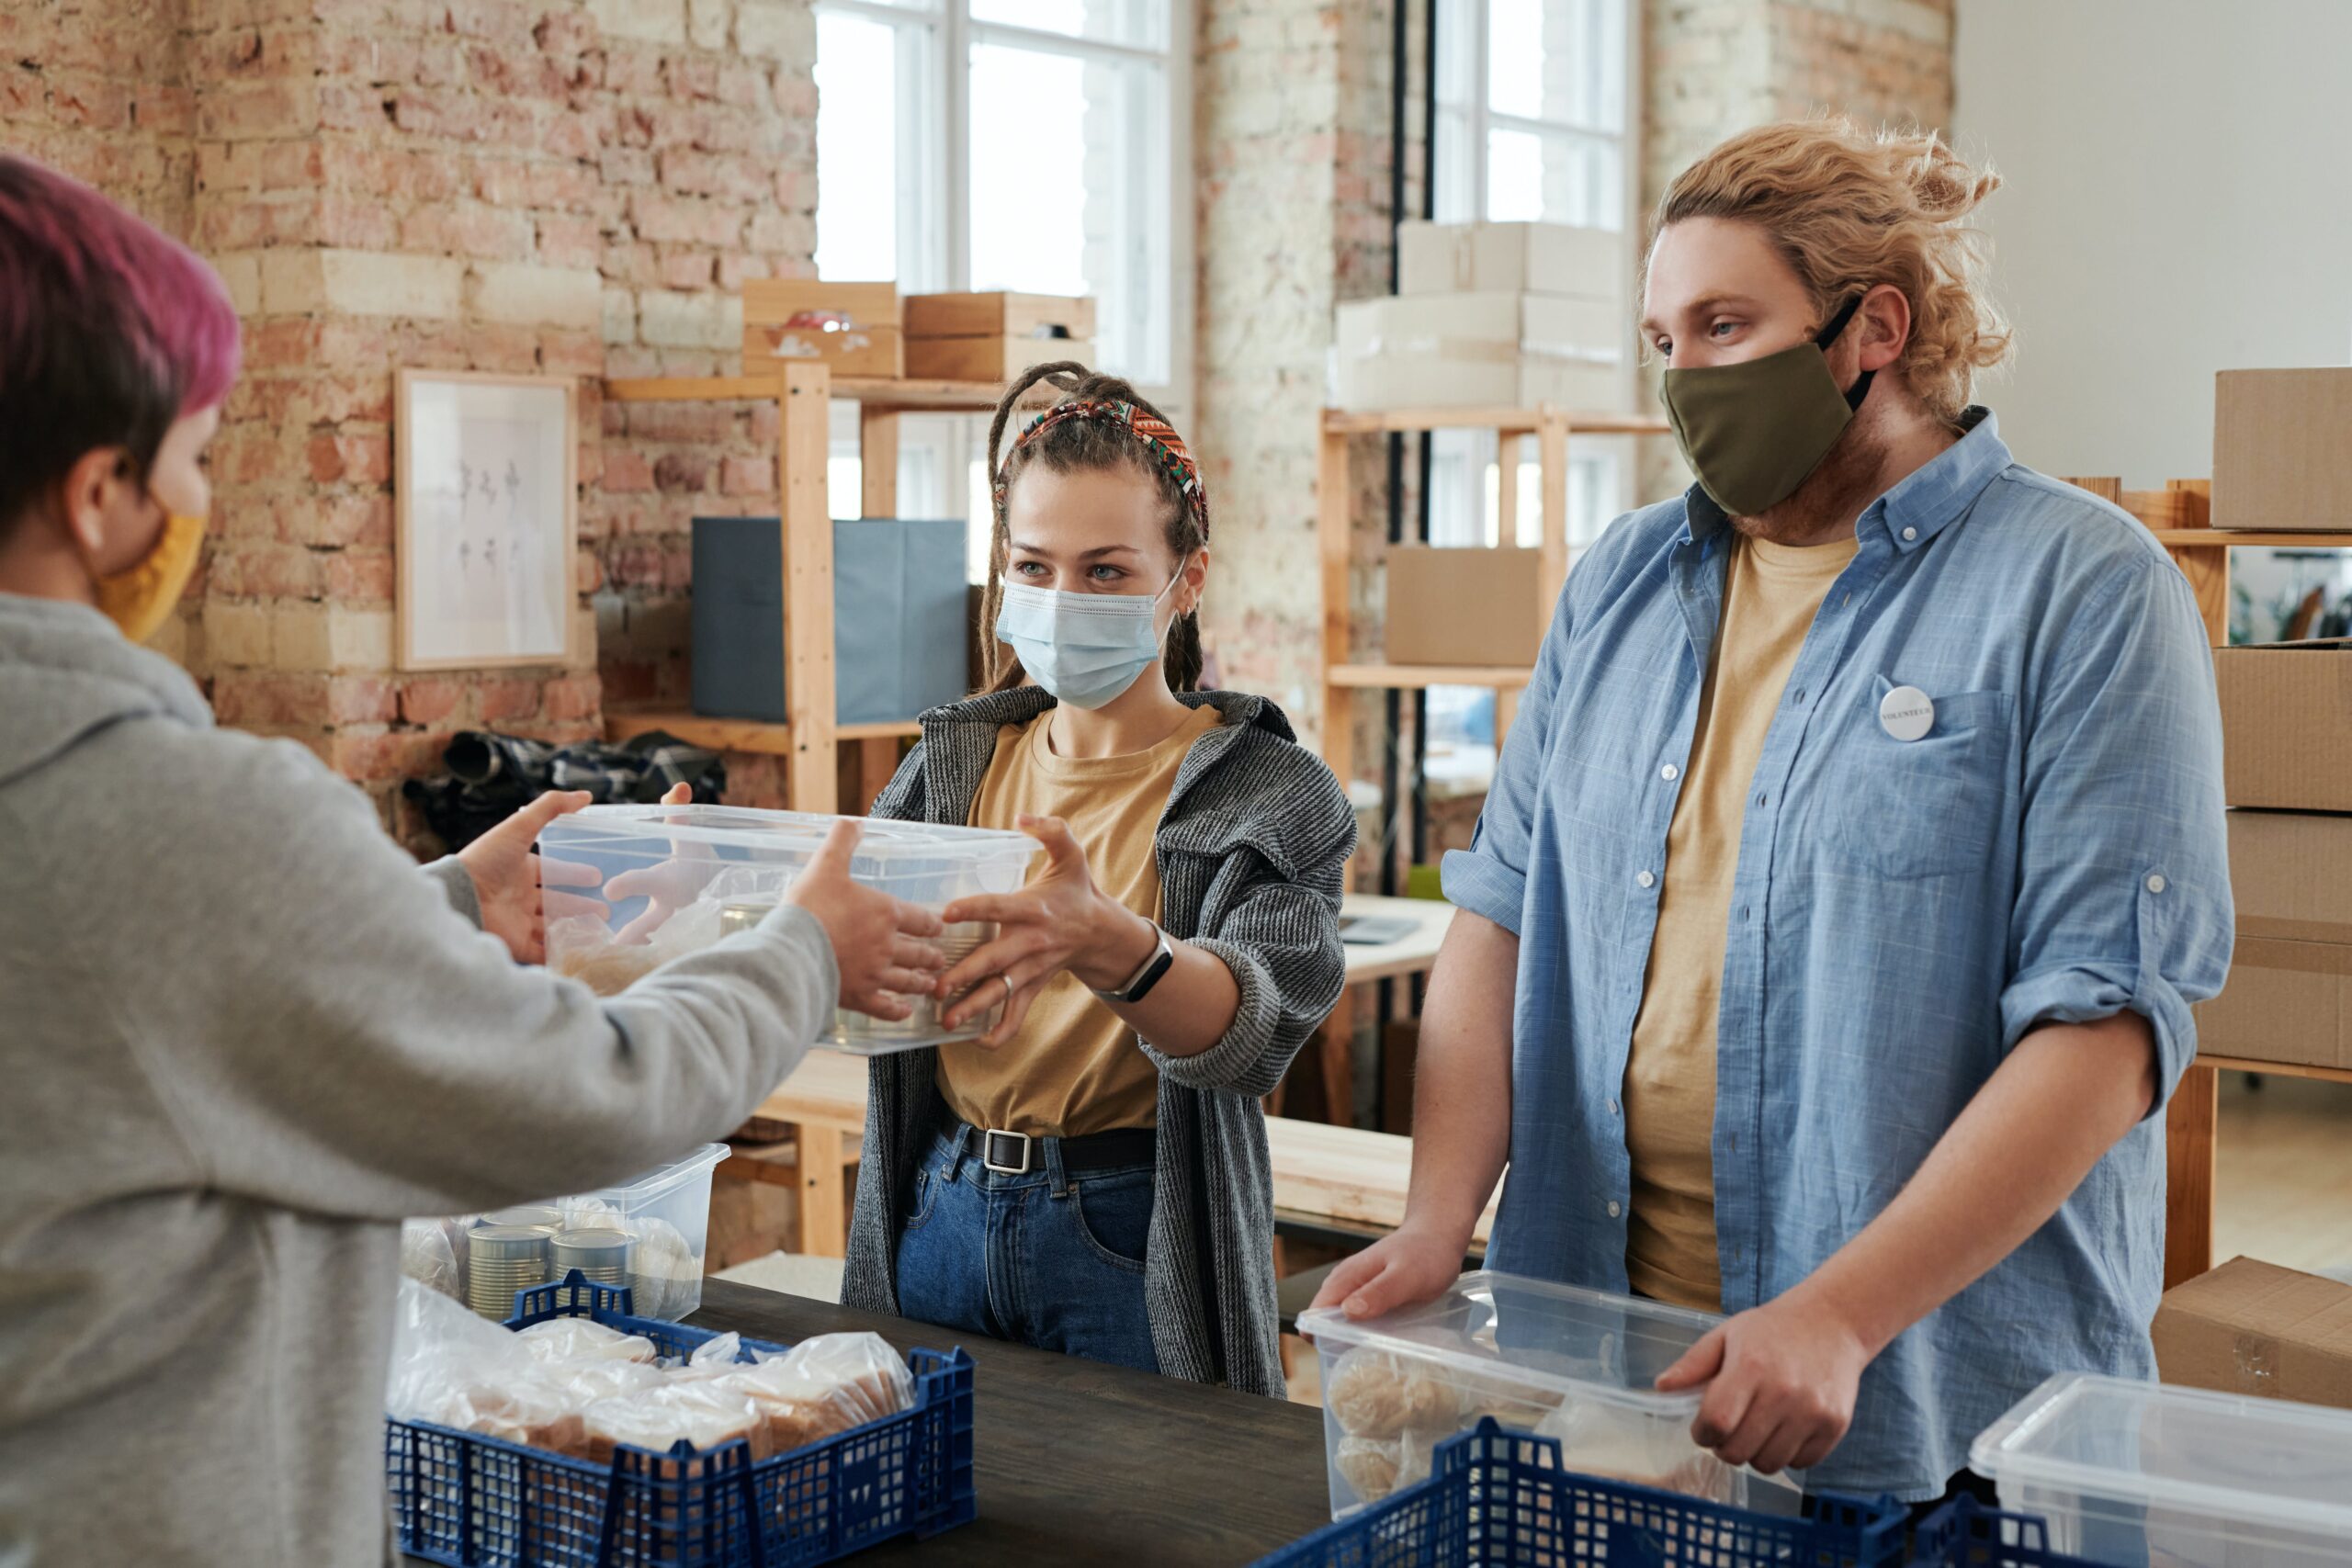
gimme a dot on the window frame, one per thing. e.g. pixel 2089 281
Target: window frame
pixel 934 172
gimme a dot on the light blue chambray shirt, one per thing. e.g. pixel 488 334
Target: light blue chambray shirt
pixel 1901 915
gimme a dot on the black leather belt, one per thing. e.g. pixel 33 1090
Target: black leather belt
pixel 1017 1154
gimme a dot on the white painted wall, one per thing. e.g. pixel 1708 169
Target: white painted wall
pixel 2178 201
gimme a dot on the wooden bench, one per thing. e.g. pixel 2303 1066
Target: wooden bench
pixel 1343 1180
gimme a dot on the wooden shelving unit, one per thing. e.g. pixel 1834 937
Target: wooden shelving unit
pixel 824 774
pixel 1550 428
pixel 2178 517
pixel 1342 677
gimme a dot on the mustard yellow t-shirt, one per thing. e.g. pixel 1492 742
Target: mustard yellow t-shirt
pixel 1771 593
pixel 1074 1067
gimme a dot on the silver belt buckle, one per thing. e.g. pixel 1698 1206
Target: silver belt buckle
pixel 987 1152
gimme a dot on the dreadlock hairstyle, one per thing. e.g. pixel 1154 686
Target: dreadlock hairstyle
pixel 1105 432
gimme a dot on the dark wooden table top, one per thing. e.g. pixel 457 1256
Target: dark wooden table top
pixel 1078 1462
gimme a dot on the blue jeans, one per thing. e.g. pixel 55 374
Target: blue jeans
pixel 1044 1258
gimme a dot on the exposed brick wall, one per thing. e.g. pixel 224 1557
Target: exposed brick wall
pixel 1293 142
pixel 1714 67
pixel 572 187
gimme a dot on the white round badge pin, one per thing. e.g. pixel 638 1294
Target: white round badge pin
pixel 1907 713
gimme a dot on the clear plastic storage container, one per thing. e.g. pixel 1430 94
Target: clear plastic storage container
pixel 1563 1362
pixel 2142 1473
pixel 678 878
pixel 664 1215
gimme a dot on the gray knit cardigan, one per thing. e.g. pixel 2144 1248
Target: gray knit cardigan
pixel 1253 849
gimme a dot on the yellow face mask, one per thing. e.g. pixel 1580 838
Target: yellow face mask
pixel 138 598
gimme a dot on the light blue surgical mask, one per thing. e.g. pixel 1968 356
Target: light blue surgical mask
pixel 1084 648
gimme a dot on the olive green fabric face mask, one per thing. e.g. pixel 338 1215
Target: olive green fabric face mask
pixel 1753 431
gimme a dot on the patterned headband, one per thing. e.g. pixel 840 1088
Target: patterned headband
pixel 1160 442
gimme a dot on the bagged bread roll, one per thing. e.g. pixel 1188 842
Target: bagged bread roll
pixel 427 1257
pixel 668 1276
pixel 1597 1439
pixel 860 1375
pixel 1368 1465
pixel 823 1386
pixel 582 1339
pixel 697 1412
pixel 1375 1395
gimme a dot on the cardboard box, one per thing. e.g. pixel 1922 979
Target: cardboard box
pixel 1514 258
pixel 989 358
pixel 2289 996
pixel 2282 449
pixel 853 327
pixel 2287 725
pixel 1482 350
pixel 2255 1328
pixel 999 315
pixel 1466 605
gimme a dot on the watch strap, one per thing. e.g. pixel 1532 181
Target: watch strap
pixel 1139 984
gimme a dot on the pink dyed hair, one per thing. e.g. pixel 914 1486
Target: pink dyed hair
pixel 109 331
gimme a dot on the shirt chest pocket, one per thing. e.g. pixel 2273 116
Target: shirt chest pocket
pixel 1932 806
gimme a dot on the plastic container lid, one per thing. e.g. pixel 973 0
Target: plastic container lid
pixel 787 832
pixel 1491 1329
pixel 2264 1461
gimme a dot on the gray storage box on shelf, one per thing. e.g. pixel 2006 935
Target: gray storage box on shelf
pixel 901 611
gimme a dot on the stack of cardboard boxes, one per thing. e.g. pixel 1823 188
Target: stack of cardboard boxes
pixel 2281 463
pixel 1493 315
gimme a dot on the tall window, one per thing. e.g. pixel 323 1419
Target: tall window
pixel 1019 144
pixel 1531 127
pixel 1531 111
pixel 1024 144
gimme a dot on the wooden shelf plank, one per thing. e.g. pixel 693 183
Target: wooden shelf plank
pixel 2222 537
pixel 905 397
pixel 739 734
pixel 933 397
pixel 692 389
pixel 1507 421
pixel 1407 677
pixel 2277 1069
pixel 719 734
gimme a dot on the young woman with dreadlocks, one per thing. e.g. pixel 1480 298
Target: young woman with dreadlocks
pixel 1091 1176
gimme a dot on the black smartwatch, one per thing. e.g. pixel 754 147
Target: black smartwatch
pixel 1139 984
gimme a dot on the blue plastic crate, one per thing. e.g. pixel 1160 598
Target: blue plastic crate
pixel 465 1500
pixel 1499 1499
pixel 1964 1533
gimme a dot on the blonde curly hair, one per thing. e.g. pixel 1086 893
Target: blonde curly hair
pixel 1849 207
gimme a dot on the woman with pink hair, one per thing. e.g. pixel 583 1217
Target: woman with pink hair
pixel 245 1035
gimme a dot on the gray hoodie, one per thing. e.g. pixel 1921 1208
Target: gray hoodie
pixel 240 1036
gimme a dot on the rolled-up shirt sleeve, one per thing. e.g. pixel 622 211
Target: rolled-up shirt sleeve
pixel 2123 891
pixel 1489 878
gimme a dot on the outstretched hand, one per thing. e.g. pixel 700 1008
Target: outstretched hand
pixel 887 950
pixel 507 874
pixel 1059 921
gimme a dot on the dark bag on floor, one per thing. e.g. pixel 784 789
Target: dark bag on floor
pixel 493 776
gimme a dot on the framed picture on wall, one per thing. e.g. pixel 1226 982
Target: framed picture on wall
pixel 487 513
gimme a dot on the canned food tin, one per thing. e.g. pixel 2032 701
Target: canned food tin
pixel 733 918
pixel 601 1256
pixel 533 1216
pixel 501 1260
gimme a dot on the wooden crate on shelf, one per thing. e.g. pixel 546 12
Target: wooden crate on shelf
pixel 852 328
pixel 994 336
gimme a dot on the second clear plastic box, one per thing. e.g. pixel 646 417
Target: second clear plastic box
pixel 666 1214
pixel 2143 1473
pixel 1554 1360
pixel 696 873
